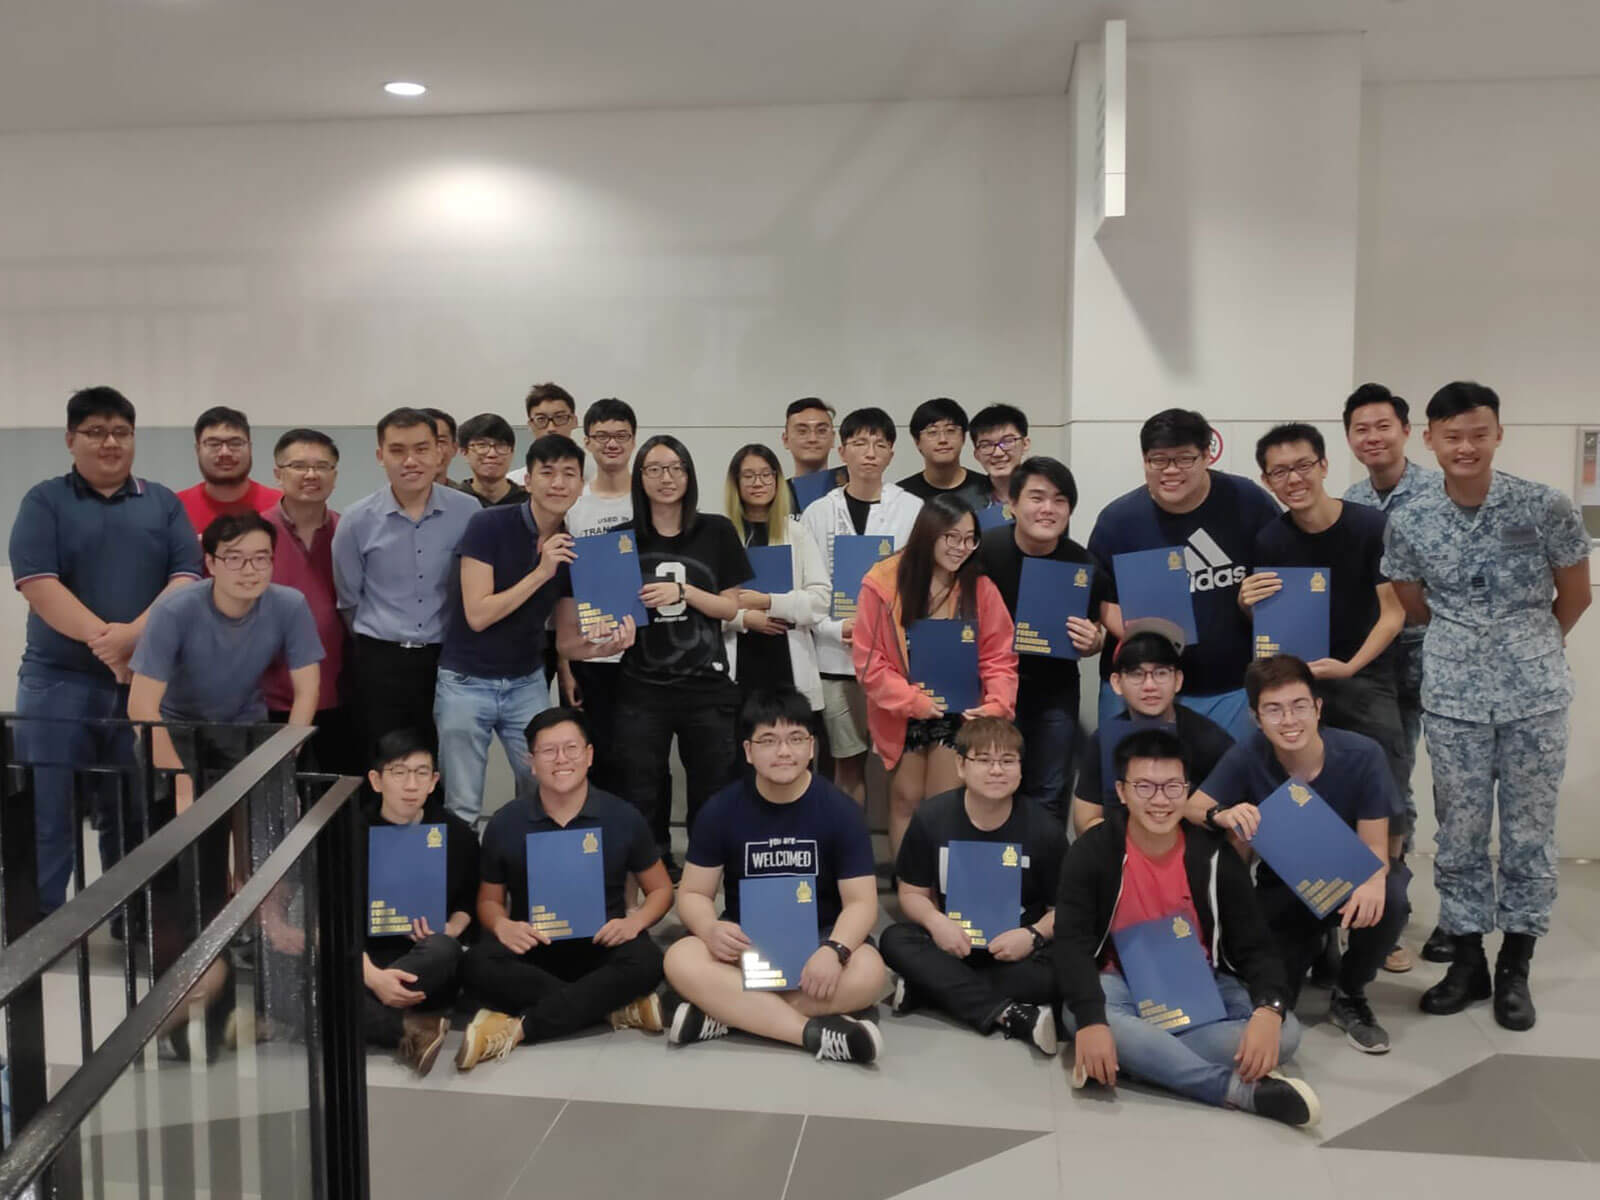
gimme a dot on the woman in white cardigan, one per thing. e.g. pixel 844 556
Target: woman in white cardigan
pixel 769 639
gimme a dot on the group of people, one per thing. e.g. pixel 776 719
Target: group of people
pixel 434 615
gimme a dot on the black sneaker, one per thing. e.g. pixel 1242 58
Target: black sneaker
pixel 1279 1098
pixel 843 1039
pixel 1033 1023
pixel 904 1000
pixel 1354 1015
pixel 690 1024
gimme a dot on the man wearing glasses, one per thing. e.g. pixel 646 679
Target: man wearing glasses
pixel 1008 984
pixel 222 448
pixel 808 437
pixel 551 409
pixel 91 551
pixel 488 443
pixel 1000 442
pixel 1349 772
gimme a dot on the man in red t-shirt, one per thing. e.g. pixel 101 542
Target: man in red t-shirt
pixel 222 446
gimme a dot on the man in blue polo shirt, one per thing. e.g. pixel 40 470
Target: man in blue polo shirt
pixel 91 550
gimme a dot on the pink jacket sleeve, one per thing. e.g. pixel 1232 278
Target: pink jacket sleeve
pixel 997 660
pixel 875 649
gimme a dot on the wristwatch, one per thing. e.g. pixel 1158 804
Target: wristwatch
pixel 683 592
pixel 1038 938
pixel 1210 818
pixel 1274 1005
pixel 840 949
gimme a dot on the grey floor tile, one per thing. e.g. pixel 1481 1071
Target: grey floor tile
pixel 468 1149
pixel 224 1159
pixel 872 1160
pixel 1565 1089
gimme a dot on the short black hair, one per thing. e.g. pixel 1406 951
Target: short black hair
pixel 1375 393
pixel 551 717
pixel 1172 428
pixel 231 526
pixel 313 437
pixel 1290 431
pixel 437 415
pixel 405 418
pixel 1275 671
pixel 400 744
pixel 1053 469
pixel 1160 744
pixel 554 448
pixel 1144 648
pixel 540 392
pixel 221 415
pixel 805 404
pixel 101 401
pixel 773 706
pixel 867 420
pixel 995 416
pixel 486 425
pixel 940 408
pixel 1453 399
pixel 609 409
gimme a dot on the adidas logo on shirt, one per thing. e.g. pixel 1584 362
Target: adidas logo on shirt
pixel 1210 569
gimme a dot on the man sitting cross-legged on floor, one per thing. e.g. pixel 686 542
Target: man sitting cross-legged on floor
pixel 785 821
pixel 1009 984
pixel 537 989
pixel 1143 865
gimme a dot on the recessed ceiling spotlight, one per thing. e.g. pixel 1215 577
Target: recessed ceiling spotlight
pixel 401 88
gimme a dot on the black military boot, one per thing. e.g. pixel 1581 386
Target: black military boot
pixel 1466 980
pixel 1513 1002
pixel 1440 946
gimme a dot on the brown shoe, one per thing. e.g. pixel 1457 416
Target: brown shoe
pixel 643 1013
pixel 422 1040
pixel 490 1035
pixel 1399 961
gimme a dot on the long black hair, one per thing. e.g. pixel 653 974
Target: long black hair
pixel 691 489
pixel 915 576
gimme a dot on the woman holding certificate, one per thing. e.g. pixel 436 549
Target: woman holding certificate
pixel 768 640
pixel 932 647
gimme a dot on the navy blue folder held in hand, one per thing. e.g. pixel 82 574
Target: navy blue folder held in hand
pixel 406 878
pixel 1155 583
pixel 1166 969
pixel 995 514
pixel 1294 619
pixel 808 489
pixel 1110 736
pixel 853 556
pixel 1048 592
pixel 566 883
pixel 778 913
pixel 774 568
pixel 944 662
pixel 606 582
pixel 983 888
pixel 1311 849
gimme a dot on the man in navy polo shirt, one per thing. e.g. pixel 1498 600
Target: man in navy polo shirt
pixel 91 551
pixel 540 989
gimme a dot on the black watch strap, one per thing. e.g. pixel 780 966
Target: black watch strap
pixel 1211 817
pixel 840 949
pixel 1038 938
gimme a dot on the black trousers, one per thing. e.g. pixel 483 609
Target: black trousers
pixel 435 961
pixel 1298 934
pixel 974 990
pixel 644 733
pixel 563 987
pixel 393 689
pixel 335 748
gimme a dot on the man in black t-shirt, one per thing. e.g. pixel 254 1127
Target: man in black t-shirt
pixel 1146 676
pixel 1010 982
pixel 787 821
pixel 939 428
pixel 1043 495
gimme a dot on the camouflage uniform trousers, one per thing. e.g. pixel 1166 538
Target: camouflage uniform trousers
pixel 1476 765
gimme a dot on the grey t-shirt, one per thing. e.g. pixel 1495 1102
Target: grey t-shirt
pixel 212 664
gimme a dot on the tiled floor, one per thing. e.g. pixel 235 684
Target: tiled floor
pixel 1460 1108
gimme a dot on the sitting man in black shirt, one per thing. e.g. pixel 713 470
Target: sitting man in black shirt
pixel 1146 674
pixel 559 987
pixel 821 833
pixel 1008 984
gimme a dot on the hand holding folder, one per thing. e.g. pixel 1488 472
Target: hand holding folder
pixel 406 878
pixel 1168 973
pixel 566 883
pixel 606 582
pixel 983 888
pixel 778 913
pixel 943 662
pixel 1294 619
pixel 1049 592
pixel 1311 849
pixel 1155 583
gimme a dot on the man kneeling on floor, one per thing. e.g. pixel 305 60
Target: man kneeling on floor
pixel 412 976
pixel 1143 865
pixel 536 989
pixel 1010 982
pixel 786 821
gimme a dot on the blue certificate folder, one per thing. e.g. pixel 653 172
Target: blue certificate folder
pixel 406 877
pixel 808 489
pixel 983 888
pixel 606 582
pixel 1048 593
pixel 995 514
pixel 1311 849
pixel 853 556
pixel 1294 619
pixel 774 568
pixel 944 662
pixel 1165 967
pixel 566 883
pixel 1110 735
pixel 778 913
pixel 1155 583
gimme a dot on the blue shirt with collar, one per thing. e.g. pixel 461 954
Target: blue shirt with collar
pixel 114 553
pixel 393 572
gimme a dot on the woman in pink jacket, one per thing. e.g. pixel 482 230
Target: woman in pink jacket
pixel 935 575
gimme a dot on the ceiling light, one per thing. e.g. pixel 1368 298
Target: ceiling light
pixel 401 88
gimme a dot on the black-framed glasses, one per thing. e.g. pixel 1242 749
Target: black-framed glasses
pixel 1184 462
pixel 771 741
pixel 1303 469
pixel 1146 789
pixel 1000 445
pixel 562 420
pixel 657 470
pixel 104 433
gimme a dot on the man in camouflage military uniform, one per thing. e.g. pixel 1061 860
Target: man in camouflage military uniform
pixel 1499 567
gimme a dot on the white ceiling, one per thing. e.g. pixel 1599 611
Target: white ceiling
pixel 86 64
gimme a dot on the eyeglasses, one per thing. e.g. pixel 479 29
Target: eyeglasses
pixel 573 750
pixel 487 448
pixel 611 439
pixel 1184 462
pixel 1146 789
pixel 559 420
pixel 983 762
pixel 943 429
pixel 420 774
pixel 771 741
pixel 959 541
pixel 309 468
pixel 862 445
pixel 1303 469
pixel 757 476
pixel 656 470
pixel 105 433
pixel 1002 445
pixel 237 560
pixel 1277 714
pixel 217 445
pixel 1162 675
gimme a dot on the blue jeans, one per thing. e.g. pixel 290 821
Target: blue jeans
pixel 467 710
pixel 56 747
pixel 1197 1063
pixel 1048 731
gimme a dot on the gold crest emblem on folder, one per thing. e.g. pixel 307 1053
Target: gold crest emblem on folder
pixel 624 544
pixel 1174 561
pixel 1319 581
pixel 803 892
pixel 967 634
pixel 435 838
pixel 1180 928
pixel 885 548
pixel 1009 857
pixel 1299 795
pixel 591 844
pixel 1081 579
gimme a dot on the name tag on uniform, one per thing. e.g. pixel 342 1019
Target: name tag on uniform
pixel 1519 535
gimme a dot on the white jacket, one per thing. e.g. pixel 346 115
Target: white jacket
pixel 894 514
pixel 802 608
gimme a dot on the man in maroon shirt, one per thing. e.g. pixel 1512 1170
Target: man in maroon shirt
pixel 222 446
